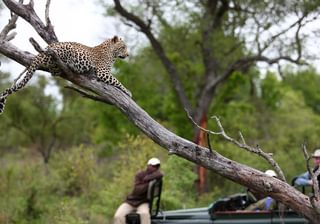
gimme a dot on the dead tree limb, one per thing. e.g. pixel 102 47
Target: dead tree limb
pixel 257 150
pixel 27 13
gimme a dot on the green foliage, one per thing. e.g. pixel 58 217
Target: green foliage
pixel 30 115
pixel 307 82
pixel 57 193
pixel 178 175
pixel 75 172
pixel 279 121
pixel 234 106
pixel 34 119
pixel 272 91
pixel 19 192
pixel 288 127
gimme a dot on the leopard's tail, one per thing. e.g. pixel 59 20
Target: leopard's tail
pixel 17 86
pixel 2 104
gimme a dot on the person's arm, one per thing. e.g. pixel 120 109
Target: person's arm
pixel 303 180
pixel 154 175
pixel 142 181
pixel 140 186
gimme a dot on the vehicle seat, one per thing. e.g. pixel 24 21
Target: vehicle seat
pixel 153 195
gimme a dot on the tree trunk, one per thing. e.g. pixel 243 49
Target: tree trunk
pixel 201 182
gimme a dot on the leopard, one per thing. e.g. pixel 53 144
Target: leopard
pixel 80 59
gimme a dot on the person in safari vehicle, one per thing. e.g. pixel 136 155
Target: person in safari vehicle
pixel 266 203
pixel 305 178
pixel 137 200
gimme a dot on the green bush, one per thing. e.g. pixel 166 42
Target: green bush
pixel 20 184
pixel 78 187
pixel 179 175
pixel 74 171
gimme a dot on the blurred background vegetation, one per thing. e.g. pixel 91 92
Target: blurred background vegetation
pixel 74 160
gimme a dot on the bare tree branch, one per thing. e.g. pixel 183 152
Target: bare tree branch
pixel 257 150
pixel 47 18
pixel 16 80
pixel 36 45
pixel 280 33
pixel 10 26
pixel 11 51
pixel 246 62
pixel 27 13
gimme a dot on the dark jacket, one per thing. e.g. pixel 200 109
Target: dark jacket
pixel 140 190
pixel 318 177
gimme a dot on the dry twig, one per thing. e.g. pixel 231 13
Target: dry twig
pixel 4 35
pixel 36 45
pixel 257 150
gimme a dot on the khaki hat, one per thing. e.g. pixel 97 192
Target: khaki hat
pixel 153 162
pixel 316 153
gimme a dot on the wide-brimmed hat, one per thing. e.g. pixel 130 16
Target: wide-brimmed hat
pixel 154 161
pixel 316 153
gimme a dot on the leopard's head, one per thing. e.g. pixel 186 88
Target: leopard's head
pixel 120 48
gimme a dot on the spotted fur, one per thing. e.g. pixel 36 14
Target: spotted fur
pixel 80 59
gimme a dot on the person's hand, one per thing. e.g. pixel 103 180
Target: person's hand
pixel 310 182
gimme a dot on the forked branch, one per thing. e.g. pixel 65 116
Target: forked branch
pixel 257 150
pixel 28 13
pixel 4 35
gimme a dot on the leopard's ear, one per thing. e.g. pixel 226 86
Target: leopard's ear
pixel 115 39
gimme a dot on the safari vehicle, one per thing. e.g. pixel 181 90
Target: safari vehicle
pixel 227 210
